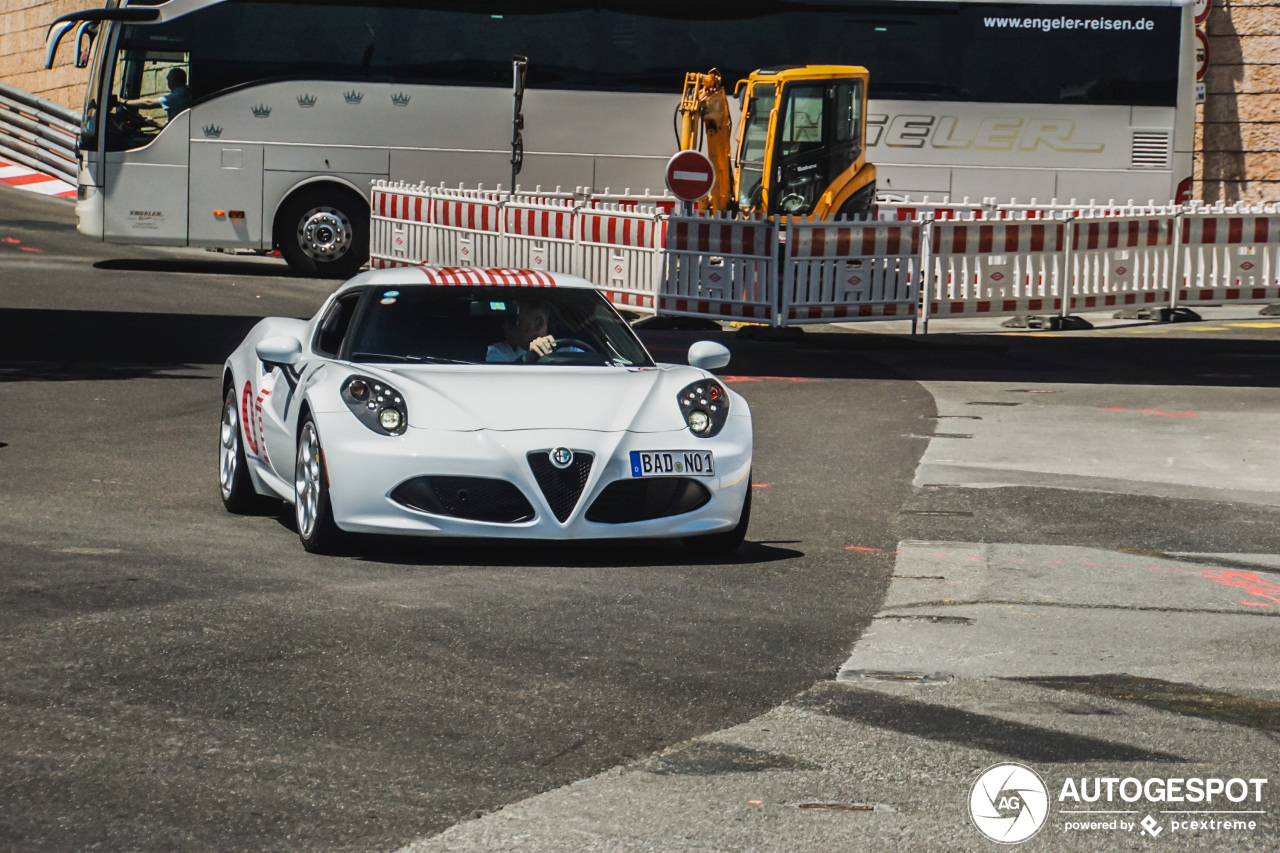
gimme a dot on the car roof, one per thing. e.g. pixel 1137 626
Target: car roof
pixel 429 274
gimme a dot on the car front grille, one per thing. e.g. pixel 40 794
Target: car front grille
pixel 638 499
pixel 472 498
pixel 562 487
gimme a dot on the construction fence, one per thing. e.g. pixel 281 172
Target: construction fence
pixel 916 261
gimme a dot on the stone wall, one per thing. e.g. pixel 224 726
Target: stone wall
pixel 23 24
pixel 1238 127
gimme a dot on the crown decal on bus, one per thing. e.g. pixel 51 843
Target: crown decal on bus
pixel 306 101
pixel 400 99
pixel 261 111
pixel 353 97
pixel 212 131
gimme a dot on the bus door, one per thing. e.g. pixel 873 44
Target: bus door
pixel 146 138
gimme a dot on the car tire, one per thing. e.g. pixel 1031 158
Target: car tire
pixel 312 509
pixel 235 485
pixel 323 232
pixel 713 544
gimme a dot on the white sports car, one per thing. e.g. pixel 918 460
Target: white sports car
pixel 482 402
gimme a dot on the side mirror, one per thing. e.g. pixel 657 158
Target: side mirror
pixel 708 355
pixel 85 34
pixel 279 349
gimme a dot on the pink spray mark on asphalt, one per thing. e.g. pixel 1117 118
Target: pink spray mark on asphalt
pixel 769 378
pixel 1247 581
pixel 1152 412
pixel 859 548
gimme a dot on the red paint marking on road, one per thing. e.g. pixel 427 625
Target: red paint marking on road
pixel 33 249
pixel 770 378
pixel 1255 604
pixel 1055 562
pixel 897 552
pixel 1248 581
pixel 1125 566
pixel 977 559
pixel 937 555
pixel 1088 564
pixel 860 548
pixel 761 485
pixel 1152 412
pixel 10 240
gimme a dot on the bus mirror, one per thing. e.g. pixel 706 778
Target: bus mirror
pixel 84 42
pixel 56 32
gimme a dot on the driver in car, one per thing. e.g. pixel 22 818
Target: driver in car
pixel 177 100
pixel 527 338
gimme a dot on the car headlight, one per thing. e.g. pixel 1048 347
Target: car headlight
pixel 705 407
pixel 376 404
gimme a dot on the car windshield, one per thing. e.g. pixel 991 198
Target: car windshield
pixel 458 324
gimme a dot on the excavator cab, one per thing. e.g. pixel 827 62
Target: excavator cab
pixel 802 143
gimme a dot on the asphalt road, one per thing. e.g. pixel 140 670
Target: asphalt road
pixel 178 678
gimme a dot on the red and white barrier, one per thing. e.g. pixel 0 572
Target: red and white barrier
pixel 618 246
pixel 621 247
pixel 840 272
pixel 956 260
pixel 1003 267
pixel 720 269
pixel 1230 258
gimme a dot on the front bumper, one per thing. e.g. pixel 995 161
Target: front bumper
pixel 364 468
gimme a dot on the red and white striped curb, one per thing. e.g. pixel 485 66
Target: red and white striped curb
pixel 22 178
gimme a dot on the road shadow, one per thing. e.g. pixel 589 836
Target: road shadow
pixel 39 345
pixel 224 265
pixel 61 345
pixel 945 724
pixel 1003 358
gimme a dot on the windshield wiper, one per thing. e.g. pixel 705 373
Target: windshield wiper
pixel 409 359
pixel 382 356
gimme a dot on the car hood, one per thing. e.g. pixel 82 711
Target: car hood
pixel 605 399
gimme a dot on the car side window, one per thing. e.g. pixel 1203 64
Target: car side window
pixel 335 324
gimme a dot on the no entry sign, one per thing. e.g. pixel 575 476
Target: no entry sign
pixel 690 175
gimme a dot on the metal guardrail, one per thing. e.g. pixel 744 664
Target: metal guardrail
pixel 38 134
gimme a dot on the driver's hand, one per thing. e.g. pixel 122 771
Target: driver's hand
pixel 542 346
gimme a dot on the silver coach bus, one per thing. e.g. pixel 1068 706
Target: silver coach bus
pixel 283 112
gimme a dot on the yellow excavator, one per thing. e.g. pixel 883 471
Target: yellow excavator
pixel 801 143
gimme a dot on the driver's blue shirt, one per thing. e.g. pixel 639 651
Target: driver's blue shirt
pixel 176 101
pixel 504 352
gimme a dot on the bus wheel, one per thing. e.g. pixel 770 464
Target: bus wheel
pixel 324 232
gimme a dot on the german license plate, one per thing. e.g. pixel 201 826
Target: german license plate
pixel 672 463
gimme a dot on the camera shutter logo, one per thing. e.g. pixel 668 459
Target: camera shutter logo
pixel 1009 803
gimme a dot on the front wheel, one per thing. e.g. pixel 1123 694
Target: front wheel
pixel 324 232
pixel 238 494
pixel 312 510
pixel 713 544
